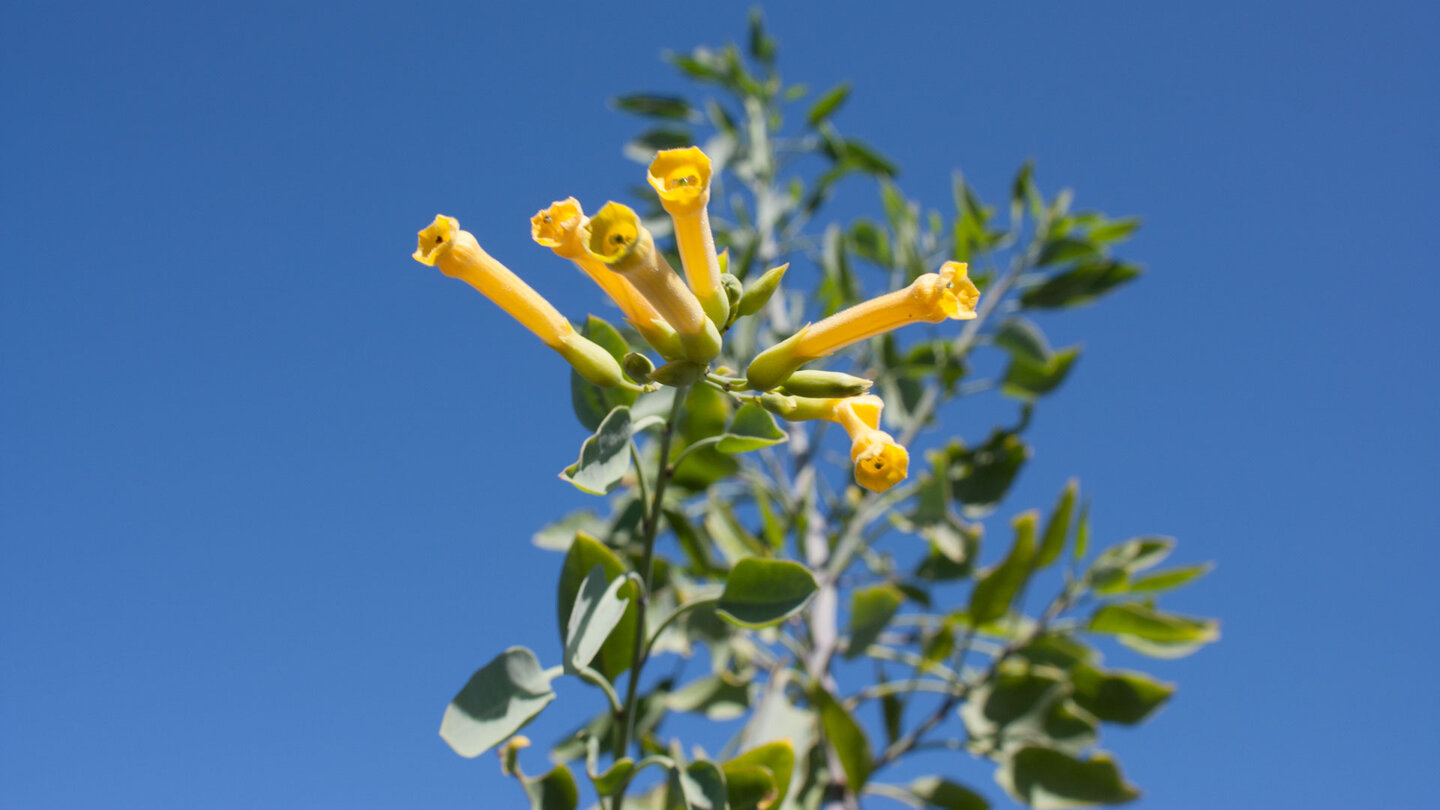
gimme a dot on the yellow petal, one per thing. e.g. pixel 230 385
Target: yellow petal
pixel 682 179
pixel 442 244
pixel 880 462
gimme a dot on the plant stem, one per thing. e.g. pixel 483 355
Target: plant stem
pixel 651 527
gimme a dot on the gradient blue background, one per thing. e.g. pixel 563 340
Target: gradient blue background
pixel 268 484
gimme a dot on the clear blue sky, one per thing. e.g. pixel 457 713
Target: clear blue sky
pixel 267 485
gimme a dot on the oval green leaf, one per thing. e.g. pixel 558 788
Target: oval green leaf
pixel 761 593
pixel 499 699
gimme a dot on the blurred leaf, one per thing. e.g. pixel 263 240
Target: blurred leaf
pixel 701 785
pixel 1082 531
pixel 871 610
pixel 696 549
pixel 1062 651
pixel 1115 230
pixel 604 457
pixel 997 588
pixel 980 479
pixel 892 709
pixel 1065 249
pixel 943 794
pixel 760 593
pixel 1045 778
pixel 733 540
pixel 762 45
pixel 846 737
pixel 719 697
pixel 1168 579
pixel 643 148
pixel 827 104
pixel 591 402
pixel 1118 696
pixel 1115 565
pixel 674 108
pixel 752 428
pixel 1027 380
pixel 837 287
pixel 702 64
pixel 1022 338
pixel 860 155
pixel 558 536
pixel 750 786
pixel 1057 526
pixel 555 790
pixel 1079 285
pixel 777 759
pixel 597 611
pixel 704 415
pixel 1148 624
pixel 585 554
pixel 499 699
pixel 871 242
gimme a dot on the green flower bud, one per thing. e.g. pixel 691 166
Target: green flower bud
pixel 637 366
pixel 809 383
pixel 774 366
pixel 592 362
pixel 759 293
pixel 733 288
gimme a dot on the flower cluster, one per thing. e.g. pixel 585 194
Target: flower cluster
pixel 684 320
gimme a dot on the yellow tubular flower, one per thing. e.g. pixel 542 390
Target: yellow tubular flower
pixel 682 179
pixel 931 298
pixel 559 228
pixel 458 255
pixel 880 462
pixel 616 238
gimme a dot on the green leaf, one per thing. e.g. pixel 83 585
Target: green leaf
pixel 1022 705
pixel 555 790
pixel 1057 526
pixel 609 782
pixel 558 536
pixel 863 157
pixel 1047 779
pixel 943 794
pixel 997 588
pixel 750 787
pixel 733 540
pixel 703 416
pixel 1115 230
pixel 644 147
pixel 1148 624
pixel 871 609
pixel 1079 285
pixel 719 697
pixel 777 758
pixel 827 104
pixel 591 402
pixel 598 610
pixel 1118 696
pixel 674 108
pixel 584 555
pixel 1065 249
pixel 752 428
pixel 760 593
pixel 1028 380
pixel 981 477
pixel 893 710
pixel 1022 338
pixel 846 737
pixel 604 457
pixel 499 699
pixel 701 785
pixel 1111 570
pixel 871 242
pixel 1082 531
pixel 1168 579
pixel 762 45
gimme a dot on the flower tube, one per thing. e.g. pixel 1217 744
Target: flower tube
pixel 458 255
pixel 880 462
pixel 931 298
pixel 559 228
pixel 682 179
pixel 616 238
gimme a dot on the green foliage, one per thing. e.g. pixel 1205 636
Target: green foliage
pixel 815 616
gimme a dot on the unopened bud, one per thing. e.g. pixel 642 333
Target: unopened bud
pixel 510 755
pixel 637 366
pixel 592 362
pixel 759 293
pixel 808 383
pixel 678 373
pixel 778 404
pixel 733 288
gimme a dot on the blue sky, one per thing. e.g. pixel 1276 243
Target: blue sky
pixel 266 484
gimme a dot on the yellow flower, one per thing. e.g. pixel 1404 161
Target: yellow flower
pixel 682 179
pixel 559 228
pixel 458 255
pixel 616 238
pixel 931 298
pixel 880 461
